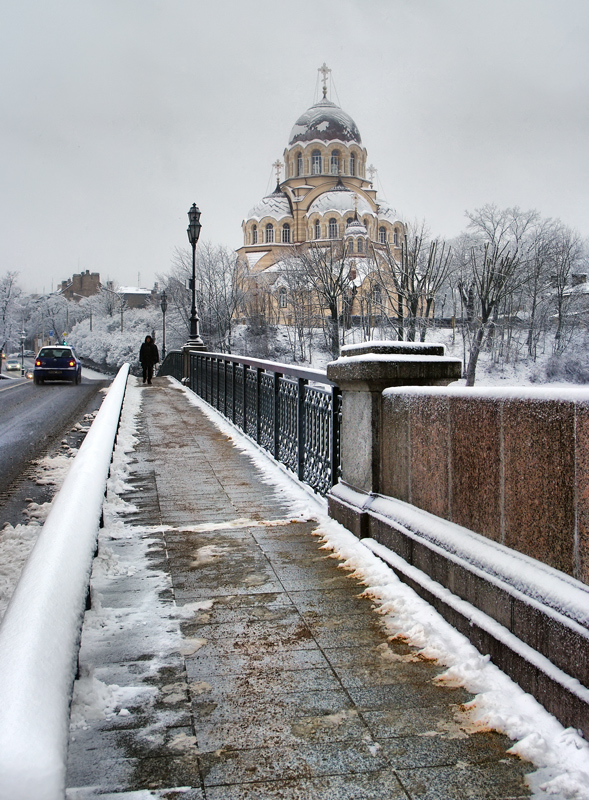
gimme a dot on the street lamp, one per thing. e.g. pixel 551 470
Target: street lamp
pixel 22 354
pixel 193 232
pixel 164 307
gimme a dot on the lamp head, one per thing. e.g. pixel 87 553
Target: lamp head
pixel 194 225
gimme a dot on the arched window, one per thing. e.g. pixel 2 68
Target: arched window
pixel 299 163
pixel 269 233
pixel 333 228
pixel 286 233
pixel 396 237
pixel 334 162
pixel 283 297
pixel 360 245
pixel 254 234
pixel 349 221
pixel 352 164
pixel 376 295
pixel 350 245
pixel 382 235
pixel 317 229
pixel 316 162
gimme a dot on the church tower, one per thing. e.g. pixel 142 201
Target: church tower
pixel 325 194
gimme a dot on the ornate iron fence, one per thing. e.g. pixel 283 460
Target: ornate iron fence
pixel 292 413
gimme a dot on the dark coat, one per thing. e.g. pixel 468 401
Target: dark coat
pixel 148 354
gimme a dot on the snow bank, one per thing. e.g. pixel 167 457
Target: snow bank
pixel 39 635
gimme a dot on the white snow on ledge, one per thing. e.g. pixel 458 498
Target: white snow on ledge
pixel 531 577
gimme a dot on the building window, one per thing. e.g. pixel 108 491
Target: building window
pixel 349 221
pixel 283 298
pixel 316 162
pixel 334 162
pixel 299 163
pixel 317 229
pixel 376 295
pixel 395 237
pixel 352 164
pixel 286 233
pixel 382 235
pixel 360 245
pixel 333 228
pixel 254 234
pixel 269 233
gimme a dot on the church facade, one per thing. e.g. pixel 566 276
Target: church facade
pixel 326 196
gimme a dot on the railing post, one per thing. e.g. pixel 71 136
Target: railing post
pixel 259 372
pixel 224 387
pixel 233 393
pixel 277 377
pixel 301 428
pixel 335 434
pixel 245 368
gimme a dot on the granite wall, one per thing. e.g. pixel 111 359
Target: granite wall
pixel 511 465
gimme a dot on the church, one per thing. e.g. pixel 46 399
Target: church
pixel 324 197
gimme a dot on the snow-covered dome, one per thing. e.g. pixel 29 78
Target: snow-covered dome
pixel 342 201
pixel 275 205
pixel 386 212
pixel 327 122
pixel 356 228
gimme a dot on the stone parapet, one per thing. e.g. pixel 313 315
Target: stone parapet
pixel 362 379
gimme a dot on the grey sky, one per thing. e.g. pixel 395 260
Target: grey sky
pixel 117 115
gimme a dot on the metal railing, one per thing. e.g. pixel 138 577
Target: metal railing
pixel 292 413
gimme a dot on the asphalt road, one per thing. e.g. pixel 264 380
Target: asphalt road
pixel 33 418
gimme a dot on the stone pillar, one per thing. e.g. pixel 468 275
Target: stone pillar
pixel 186 350
pixel 362 372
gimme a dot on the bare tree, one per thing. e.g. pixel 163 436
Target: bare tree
pixel 327 269
pixel 413 281
pixel 494 275
pixel 220 292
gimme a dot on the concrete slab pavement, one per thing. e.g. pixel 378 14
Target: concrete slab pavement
pixel 284 684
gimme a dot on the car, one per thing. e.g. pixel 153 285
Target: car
pixel 57 363
pixel 29 354
pixel 13 363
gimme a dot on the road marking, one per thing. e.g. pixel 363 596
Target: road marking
pixel 19 383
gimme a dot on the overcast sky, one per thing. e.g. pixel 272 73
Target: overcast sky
pixel 117 115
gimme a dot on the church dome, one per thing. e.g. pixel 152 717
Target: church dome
pixel 275 205
pixel 327 122
pixel 341 201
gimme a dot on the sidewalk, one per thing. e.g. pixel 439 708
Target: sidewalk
pixel 233 659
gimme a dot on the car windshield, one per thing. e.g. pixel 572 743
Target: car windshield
pixel 55 352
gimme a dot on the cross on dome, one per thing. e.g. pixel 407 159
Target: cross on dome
pixel 372 172
pixel 324 70
pixel 278 167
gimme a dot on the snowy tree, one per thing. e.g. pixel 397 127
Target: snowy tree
pixel 10 312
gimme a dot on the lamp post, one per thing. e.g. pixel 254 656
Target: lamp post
pixel 193 232
pixel 22 354
pixel 164 307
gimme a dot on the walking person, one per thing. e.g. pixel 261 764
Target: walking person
pixel 149 357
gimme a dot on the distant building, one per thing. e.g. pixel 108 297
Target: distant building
pixel 135 297
pixel 84 283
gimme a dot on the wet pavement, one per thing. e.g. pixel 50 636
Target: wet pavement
pixel 262 672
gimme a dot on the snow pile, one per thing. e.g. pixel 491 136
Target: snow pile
pixel 560 755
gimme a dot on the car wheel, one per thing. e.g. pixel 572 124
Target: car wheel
pixel 37 380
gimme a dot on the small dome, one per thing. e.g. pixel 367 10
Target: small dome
pixel 327 122
pixel 341 201
pixel 356 228
pixel 275 205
